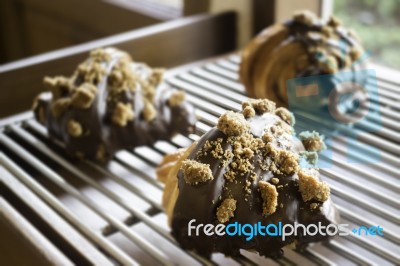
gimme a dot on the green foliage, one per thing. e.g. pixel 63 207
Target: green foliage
pixel 378 25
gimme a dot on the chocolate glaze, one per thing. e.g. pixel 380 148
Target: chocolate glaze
pixel 201 201
pixel 99 133
pixel 326 48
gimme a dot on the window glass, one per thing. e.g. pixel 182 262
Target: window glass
pixel 377 23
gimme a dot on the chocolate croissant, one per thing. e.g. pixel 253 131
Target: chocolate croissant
pixel 246 170
pixel 111 103
pixel 302 46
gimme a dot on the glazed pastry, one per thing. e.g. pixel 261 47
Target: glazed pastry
pixel 246 170
pixel 302 46
pixel 111 103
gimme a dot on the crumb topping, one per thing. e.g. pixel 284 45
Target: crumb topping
pixel 310 187
pixel 83 96
pixel 122 114
pixel 176 98
pixel 306 17
pixel 149 111
pixel 260 105
pixel 274 180
pixel 285 115
pixel 74 128
pixel 100 55
pixel 269 196
pixel 91 72
pixel 334 22
pixel 312 141
pixel 156 76
pixel 60 86
pixel 101 153
pixel 249 112
pixel 232 124
pixel 226 210
pixel 195 172
pixel 313 206
pixel 59 106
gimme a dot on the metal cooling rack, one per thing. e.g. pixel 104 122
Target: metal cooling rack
pixel 112 215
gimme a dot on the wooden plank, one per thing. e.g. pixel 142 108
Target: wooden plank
pixel 165 45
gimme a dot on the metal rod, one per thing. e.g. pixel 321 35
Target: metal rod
pixel 97 238
pixel 57 179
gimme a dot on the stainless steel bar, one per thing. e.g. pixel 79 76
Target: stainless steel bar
pixel 228 65
pixel 354 217
pixel 218 80
pixel 386 156
pixel 214 68
pixel 345 252
pixel 206 85
pixel 42 131
pixel 216 99
pixel 57 179
pixel 374 248
pixel 377 210
pixel 372 192
pixel 123 161
pixel 97 238
pixel 122 202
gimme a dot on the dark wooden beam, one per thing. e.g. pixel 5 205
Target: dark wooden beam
pixel 164 45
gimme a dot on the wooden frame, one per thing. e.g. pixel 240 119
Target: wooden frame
pixel 165 45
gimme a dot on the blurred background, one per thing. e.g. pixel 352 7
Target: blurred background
pixel 31 27
pixel 47 38
pixel 378 25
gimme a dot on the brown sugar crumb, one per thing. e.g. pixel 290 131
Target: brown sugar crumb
pixel 327 31
pixel 285 115
pixel 156 76
pixel 260 105
pixel 83 96
pixel 218 151
pixel 328 65
pixel 176 98
pixel 122 114
pixel 288 162
pixel 100 55
pixel 116 77
pixel 334 22
pixel 312 141
pixel 60 106
pixel 60 86
pixel 101 153
pixel 269 196
pixel 305 17
pixel 355 53
pixel 313 206
pixel 311 188
pixel 226 210
pixel 249 112
pixel 228 156
pixel 274 180
pixel 149 112
pixel 195 172
pixel 232 124
pixel 74 128
pixel 230 174
pixel 95 74
pixel 268 137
